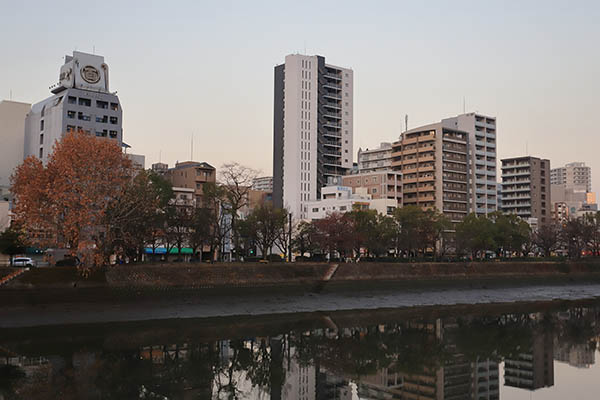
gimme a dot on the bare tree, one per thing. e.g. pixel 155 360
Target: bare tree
pixel 546 238
pixel 236 181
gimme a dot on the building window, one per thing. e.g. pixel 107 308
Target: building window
pixel 42 138
pixel 103 119
pixel 113 134
pixel 102 104
pixel 41 125
pixel 114 106
pixel 114 120
pixel 70 128
pixel 41 152
pixel 85 102
pixel 72 100
pixel 71 114
pixel 83 117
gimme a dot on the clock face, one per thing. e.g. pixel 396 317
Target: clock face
pixel 90 74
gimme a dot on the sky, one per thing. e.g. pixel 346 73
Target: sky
pixel 205 68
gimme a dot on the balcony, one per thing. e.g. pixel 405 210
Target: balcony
pixel 332 115
pixel 516 173
pixel 329 75
pixel 332 85
pixel 332 96
pixel 332 153
pixel 332 104
pixel 331 143
pixel 516 165
pixel 332 134
pixel 331 124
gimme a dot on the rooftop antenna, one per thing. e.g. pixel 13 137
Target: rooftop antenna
pixel 526 147
pixel 405 122
pixel 192 149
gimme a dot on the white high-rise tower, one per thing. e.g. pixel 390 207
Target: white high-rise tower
pixel 312 129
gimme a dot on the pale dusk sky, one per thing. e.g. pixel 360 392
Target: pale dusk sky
pixel 206 68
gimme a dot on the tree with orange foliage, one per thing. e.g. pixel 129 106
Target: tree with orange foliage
pixel 63 204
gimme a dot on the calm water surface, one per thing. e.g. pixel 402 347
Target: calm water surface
pixel 509 352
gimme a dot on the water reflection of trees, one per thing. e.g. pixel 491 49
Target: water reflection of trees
pixel 265 367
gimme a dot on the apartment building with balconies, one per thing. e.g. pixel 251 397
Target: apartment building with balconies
pixel 374 160
pixel 379 184
pixel 526 188
pixel 481 131
pixel 433 160
pixel 312 129
pixel 572 175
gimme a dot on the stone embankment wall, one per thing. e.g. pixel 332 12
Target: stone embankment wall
pixel 215 275
pixel 305 275
pixel 280 274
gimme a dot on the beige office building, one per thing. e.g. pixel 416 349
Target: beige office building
pixel 12 133
pixel 433 162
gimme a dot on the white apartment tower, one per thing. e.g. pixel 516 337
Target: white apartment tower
pixel 572 175
pixel 312 129
pixel 481 130
pixel 81 100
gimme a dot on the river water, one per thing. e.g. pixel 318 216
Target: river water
pixel 520 350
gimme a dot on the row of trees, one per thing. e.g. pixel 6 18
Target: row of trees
pixel 411 232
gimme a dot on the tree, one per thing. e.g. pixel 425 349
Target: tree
pixel 407 235
pixel 546 238
pixel 417 230
pixel 264 225
pixel 11 242
pixel 510 233
pixel 475 235
pixel 215 202
pixel 63 204
pixel 236 181
pixel 334 234
pixel 302 241
pixel 364 229
pixel 200 229
pixel 593 223
pixel 131 219
pixel 283 241
pixel 576 235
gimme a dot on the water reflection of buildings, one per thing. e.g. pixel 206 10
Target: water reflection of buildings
pixel 579 355
pixel 533 369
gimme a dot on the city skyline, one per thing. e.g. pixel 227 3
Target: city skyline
pixel 528 65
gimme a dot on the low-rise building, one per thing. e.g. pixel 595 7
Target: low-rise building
pixel 263 183
pixel 160 168
pixel 343 199
pixel 192 175
pixel 138 161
